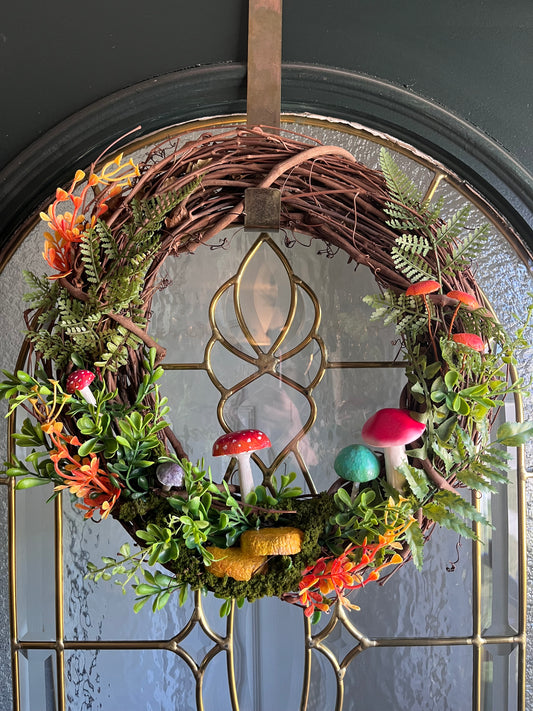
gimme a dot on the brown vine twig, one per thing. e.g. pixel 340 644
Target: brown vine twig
pixel 434 475
pixel 266 182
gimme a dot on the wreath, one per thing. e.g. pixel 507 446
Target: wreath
pixel 95 423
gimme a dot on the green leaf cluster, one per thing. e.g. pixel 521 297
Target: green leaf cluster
pixel 261 496
pixel 207 514
pixel 36 468
pixel 363 518
pixel 125 436
pixel 130 567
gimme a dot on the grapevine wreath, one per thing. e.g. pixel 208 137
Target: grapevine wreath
pixel 95 421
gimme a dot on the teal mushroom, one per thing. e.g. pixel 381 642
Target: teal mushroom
pixel 358 464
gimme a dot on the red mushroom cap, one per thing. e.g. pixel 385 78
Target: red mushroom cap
pixel 466 299
pixel 239 442
pixel 422 287
pixel 470 340
pixel 391 427
pixel 78 380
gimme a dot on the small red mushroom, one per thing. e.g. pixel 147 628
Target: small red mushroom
pixel 391 429
pixel 80 380
pixel 241 445
pixel 462 298
pixel 471 340
pixel 422 288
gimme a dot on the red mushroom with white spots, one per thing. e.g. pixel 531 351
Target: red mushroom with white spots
pixel 242 445
pixel 80 380
pixel 391 429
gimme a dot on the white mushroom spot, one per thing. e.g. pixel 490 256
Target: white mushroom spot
pixel 248 440
pixel 225 446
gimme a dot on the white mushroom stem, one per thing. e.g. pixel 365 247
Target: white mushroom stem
pixel 87 395
pixel 355 491
pixel 395 456
pixel 246 480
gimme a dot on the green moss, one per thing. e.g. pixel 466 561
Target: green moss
pixel 284 572
pixel 149 509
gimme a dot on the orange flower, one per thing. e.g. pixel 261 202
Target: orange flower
pixel 84 477
pixel 341 574
pixel 69 227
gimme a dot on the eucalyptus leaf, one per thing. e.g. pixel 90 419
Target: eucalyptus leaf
pixel 30 483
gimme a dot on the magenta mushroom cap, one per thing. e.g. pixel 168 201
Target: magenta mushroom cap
pixel 391 427
pixel 78 380
pixel 234 443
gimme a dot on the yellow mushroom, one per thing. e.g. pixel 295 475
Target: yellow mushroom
pixel 234 563
pixel 285 540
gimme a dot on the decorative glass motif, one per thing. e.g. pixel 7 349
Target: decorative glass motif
pixel 268 317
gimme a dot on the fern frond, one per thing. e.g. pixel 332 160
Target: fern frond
pixel 466 250
pixel 400 186
pixel 90 256
pixel 413 244
pixel 416 479
pixel 149 214
pixel 107 241
pixel 441 515
pixel 456 503
pixel 415 541
pixel 451 229
pixel 413 266
pixel 412 324
pixel 44 292
pixel 431 211
pixel 399 310
pixel 472 479
pixel 402 219
pixel 116 353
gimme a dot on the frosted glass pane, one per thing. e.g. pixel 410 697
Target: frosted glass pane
pixel 138 680
pixel 411 678
pixel 365 151
pixel 35 564
pixel 432 603
pixel 269 655
pixel 38 680
pixel 499 677
pixel 180 311
pixel 99 610
pixel 397 678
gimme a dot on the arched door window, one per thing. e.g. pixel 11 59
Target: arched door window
pixel 450 637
